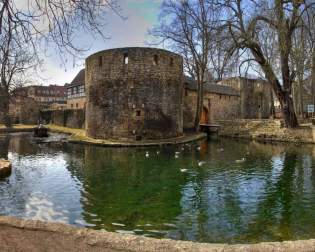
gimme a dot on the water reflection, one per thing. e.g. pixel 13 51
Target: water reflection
pixel 219 191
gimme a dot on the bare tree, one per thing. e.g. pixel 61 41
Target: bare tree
pixel 281 16
pixel 14 62
pixel 301 49
pixel 223 56
pixel 309 22
pixel 187 26
pixel 28 27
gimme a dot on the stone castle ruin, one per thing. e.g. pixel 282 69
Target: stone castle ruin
pixel 134 94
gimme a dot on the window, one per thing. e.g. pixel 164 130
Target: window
pixel 156 60
pixel 81 90
pixel 126 58
pixel 76 105
pixel 138 112
pixel 100 62
pixel 71 105
pixel 172 62
pixel 220 96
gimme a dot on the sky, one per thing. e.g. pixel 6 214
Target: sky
pixel 141 16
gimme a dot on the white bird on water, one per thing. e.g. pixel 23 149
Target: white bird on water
pixel 147 154
pixel 183 170
pixel 240 160
pixel 198 148
pixel 158 152
pixel 201 163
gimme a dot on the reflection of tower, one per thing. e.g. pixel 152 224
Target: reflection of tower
pixel 18 144
pixel 4 146
pixel 119 188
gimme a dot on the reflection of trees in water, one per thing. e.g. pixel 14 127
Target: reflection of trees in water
pixel 259 199
pixel 21 144
pixel 121 185
pixel 253 201
pixel 24 144
pixel 281 214
pixel 274 215
pixel 210 204
pixel 4 146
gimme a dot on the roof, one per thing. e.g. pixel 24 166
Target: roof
pixel 249 77
pixel 58 91
pixel 125 49
pixel 211 87
pixel 50 87
pixel 79 79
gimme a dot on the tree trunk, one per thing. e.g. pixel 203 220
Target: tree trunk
pixel 199 104
pixel 4 107
pixel 300 97
pixel 313 76
pixel 283 92
pixel 287 107
pixel 272 105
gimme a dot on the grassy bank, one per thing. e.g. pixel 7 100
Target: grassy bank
pixel 16 128
pixel 79 136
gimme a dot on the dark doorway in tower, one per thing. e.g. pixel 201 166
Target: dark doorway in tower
pixel 204 119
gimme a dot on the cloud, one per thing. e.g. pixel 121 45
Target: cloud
pixel 141 15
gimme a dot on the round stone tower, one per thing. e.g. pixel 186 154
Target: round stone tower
pixel 134 94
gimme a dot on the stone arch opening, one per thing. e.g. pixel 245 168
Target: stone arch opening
pixel 204 119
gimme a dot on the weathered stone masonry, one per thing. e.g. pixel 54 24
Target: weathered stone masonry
pixel 134 93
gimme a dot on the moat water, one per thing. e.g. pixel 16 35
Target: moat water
pixel 211 191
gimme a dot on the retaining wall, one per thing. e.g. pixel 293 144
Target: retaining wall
pixel 26 235
pixel 71 118
pixel 266 130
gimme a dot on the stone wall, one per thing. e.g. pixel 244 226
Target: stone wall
pixel 134 93
pixel 72 118
pixel 76 103
pixel 24 110
pixel 266 130
pixel 255 97
pixel 217 107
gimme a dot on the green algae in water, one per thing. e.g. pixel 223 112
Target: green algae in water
pixel 200 191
